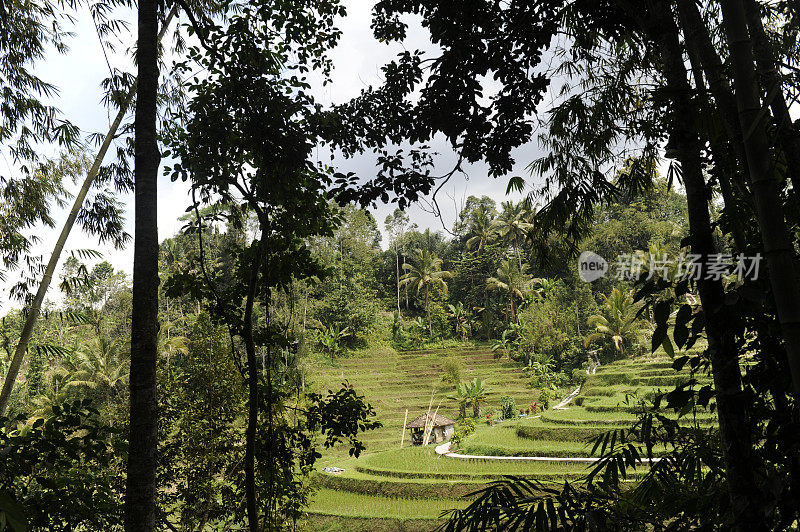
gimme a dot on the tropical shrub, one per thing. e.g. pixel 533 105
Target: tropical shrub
pixel 465 427
pixel 452 369
pixel 542 373
pixel 579 375
pixel 544 397
pixel 348 306
pixel 549 326
pixel 462 320
pixel 63 470
pixel 440 324
pixel 414 336
pixel 331 339
pixel 508 343
pixel 508 407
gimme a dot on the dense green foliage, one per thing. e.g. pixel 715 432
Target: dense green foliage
pixel 281 312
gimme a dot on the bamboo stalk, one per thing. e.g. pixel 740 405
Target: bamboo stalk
pixel 36 304
pixel 775 236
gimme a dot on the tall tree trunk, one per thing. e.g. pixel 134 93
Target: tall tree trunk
pixel 305 310
pixel 406 286
pixel 140 497
pixel 772 88
pixel 696 33
pixel 722 154
pixel 732 408
pixel 253 397
pixel 36 305
pixel 778 247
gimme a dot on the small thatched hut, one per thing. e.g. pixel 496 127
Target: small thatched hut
pixel 441 428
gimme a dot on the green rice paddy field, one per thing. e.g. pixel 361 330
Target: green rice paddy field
pixel 389 488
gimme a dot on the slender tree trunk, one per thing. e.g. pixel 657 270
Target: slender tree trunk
pixel 778 247
pixel 55 256
pixel 397 269
pixel 253 398
pixel 732 407
pixel 305 310
pixel 428 311
pixel 406 286
pixel 140 497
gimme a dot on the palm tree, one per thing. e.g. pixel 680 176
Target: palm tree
pixel 101 366
pixel 482 230
pixel 171 346
pixel 513 225
pixel 619 321
pixel 56 393
pixel 512 280
pixel 423 274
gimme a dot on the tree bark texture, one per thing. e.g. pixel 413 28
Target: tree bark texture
pixel 140 496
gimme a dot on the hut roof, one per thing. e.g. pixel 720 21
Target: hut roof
pixel 438 421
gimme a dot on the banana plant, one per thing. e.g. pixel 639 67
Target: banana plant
pixel 461 319
pixel 508 343
pixel 476 390
pixel 463 398
pixel 330 338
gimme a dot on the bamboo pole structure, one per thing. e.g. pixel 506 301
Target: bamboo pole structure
pixel 427 414
pixel 403 437
pixel 432 421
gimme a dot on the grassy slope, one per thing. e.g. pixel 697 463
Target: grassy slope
pixel 393 382
pixel 408 489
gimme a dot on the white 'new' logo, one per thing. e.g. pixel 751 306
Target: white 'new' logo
pixel 591 266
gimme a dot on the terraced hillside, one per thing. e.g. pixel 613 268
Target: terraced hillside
pixel 393 382
pixel 607 400
pixel 408 489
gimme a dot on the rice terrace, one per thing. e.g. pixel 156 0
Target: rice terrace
pixel 393 488
pixel 399 265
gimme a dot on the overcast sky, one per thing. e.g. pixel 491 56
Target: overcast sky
pixel 357 61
